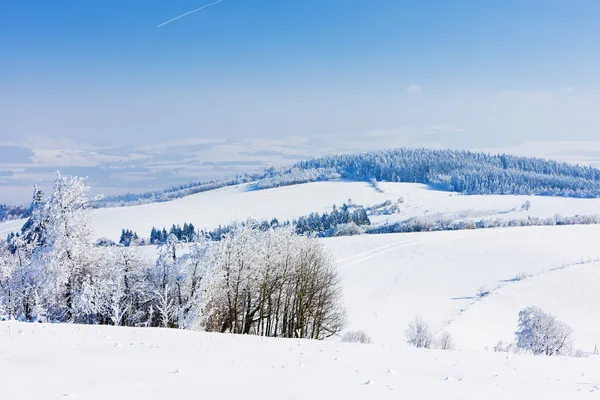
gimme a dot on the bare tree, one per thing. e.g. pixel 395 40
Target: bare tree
pixel 418 334
pixel 445 342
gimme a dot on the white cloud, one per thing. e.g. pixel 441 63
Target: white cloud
pixel 414 88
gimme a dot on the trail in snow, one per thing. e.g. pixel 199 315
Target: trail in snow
pixel 188 13
pixel 512 281
pixel 376 250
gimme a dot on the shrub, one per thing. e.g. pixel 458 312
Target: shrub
pixel 445 342
pixel 349 229
pixel 356 337
pixel 418 334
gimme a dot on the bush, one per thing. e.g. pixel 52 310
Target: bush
pixel 578 353
pixel 349 229
pixel 418 334
pixel 356 337
pixel 541 333
pixel 445 342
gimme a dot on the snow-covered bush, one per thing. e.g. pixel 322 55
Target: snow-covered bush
pixel 541 333
pixel 417 334
pixel 578 353
pixel 445 342
pixel 349 229
pixel 356 337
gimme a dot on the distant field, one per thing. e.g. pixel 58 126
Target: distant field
pixel 222 206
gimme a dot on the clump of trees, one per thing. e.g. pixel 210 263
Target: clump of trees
pixel 10 212
pixel 430 224
pixel 187 233
pixel 265 282
pixel 273 283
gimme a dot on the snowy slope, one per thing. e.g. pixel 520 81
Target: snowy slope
pixel 389 279
pixel 572 294
pixel 222 206
pixel 39 362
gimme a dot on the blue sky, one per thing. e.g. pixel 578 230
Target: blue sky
pixel 321 76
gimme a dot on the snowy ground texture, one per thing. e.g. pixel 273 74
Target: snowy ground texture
pixel 98 363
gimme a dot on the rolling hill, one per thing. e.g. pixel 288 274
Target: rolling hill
pixel 469 283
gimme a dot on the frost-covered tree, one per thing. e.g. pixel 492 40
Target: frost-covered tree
pixel 541 333
pixel 418 334
pixel 66 261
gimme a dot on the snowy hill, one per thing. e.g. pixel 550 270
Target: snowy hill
pixel 389 279
pixel 386 280
pixel 39 362
pixel 222 206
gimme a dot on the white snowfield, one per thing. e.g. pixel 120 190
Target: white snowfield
pixel 222 206
pixel 389 279
pixel 39 362
pixel 386 281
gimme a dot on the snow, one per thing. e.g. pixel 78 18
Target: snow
pixel 572 294
pixel 390 279
pixel 387 280
pixel 222 206
pixel 39 362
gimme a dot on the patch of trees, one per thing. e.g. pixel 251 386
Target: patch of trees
pixel 340 221
pixel 274 283
pixel 465 171
pixel 325 224
pixel 10 212
pixel 128 237
pixel 187 234
pixel 452 170
pixel 268 282
pixel 427 224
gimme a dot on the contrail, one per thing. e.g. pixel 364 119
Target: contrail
pixel 188 13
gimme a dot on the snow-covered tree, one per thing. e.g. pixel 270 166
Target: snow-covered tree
pixel 418 334
pixel 273 283
pixel 541 333
pixel 65 263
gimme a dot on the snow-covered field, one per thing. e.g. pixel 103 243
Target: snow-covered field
pixel 389 279
pixel 386 281
pixel 39 362
pixel 222 206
